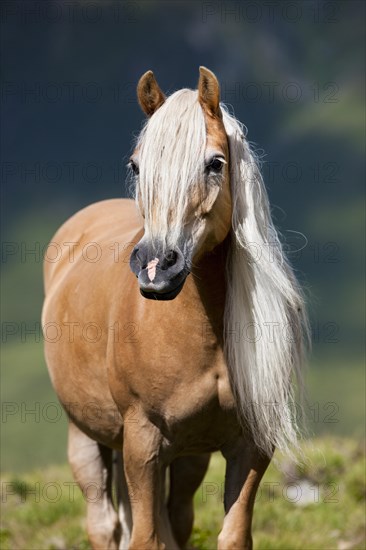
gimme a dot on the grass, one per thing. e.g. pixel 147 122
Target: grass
pixel 320 505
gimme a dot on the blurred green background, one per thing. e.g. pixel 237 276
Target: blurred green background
pixel 293 73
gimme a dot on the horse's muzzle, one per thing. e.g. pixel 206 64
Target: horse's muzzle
pixel 161 275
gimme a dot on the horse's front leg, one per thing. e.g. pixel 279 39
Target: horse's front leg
pixel 144 471
pixel 245 467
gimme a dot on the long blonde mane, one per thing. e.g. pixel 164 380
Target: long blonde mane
pixel 265 319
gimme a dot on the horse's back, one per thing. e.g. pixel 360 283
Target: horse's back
pixel 90 271
pixel 111 223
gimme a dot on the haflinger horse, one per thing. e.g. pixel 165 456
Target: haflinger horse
pixel 196 355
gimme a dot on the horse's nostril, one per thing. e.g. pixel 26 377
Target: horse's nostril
pixel 171 258
pixel 140 259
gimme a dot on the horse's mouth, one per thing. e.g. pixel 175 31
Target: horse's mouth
pixel 170 295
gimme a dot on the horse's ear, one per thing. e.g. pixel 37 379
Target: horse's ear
pixel 209 92
pixel 149 95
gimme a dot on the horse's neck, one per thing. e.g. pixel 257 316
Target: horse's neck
pixel 209 278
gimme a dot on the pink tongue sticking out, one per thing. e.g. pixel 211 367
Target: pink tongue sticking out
pixel 151 268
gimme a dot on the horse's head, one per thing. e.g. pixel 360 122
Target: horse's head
pixel 181 167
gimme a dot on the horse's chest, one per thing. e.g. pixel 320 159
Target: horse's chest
pixel 174 368
pixel 183 389
pixel 203 414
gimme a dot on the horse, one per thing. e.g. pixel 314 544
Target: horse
pixel 175 327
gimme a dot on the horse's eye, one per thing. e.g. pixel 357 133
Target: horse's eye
pixel 215 165
pixel 134 167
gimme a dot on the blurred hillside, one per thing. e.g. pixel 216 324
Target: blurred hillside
pixel 293 74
